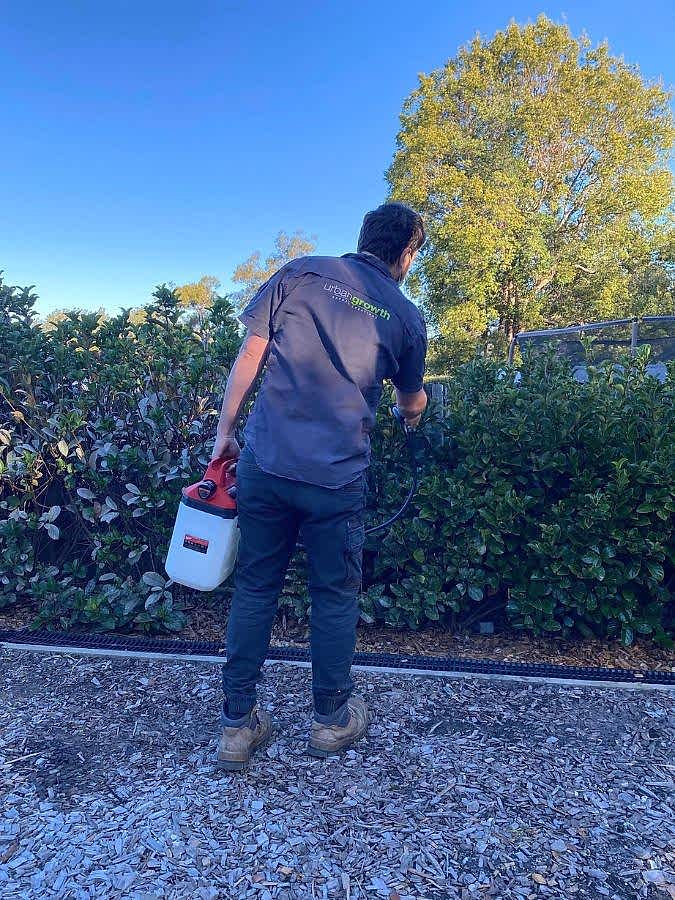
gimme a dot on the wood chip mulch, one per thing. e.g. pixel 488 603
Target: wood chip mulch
pixel 206 622
pixel 461 790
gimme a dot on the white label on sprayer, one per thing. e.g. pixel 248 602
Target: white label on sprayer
pixel 190 542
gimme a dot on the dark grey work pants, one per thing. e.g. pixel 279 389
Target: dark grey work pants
pixel 273 511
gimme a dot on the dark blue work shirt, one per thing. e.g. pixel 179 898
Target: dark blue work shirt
pixel 337 327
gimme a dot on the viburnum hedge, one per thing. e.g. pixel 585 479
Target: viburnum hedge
pixel 103 420
pixel 546 502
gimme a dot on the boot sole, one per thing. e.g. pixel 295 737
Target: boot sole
pixel 238 765
pixel 324 754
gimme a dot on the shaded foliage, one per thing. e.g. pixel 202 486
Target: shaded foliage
pixel 548 503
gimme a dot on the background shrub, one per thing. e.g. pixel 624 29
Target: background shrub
pixel 545 502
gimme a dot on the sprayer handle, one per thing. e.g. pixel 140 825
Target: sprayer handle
pixel 218 470
pixel 398 415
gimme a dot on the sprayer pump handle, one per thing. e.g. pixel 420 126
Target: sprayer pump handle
pixel 218 470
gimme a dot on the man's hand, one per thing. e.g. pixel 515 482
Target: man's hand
pixel 413 422
pixel 411 406
pixel 226 447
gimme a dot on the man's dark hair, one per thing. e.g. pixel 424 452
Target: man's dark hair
pixel 388 230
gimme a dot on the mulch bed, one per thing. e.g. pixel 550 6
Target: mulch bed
pixel 206 622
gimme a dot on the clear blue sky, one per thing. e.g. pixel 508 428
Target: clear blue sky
pixel 145 142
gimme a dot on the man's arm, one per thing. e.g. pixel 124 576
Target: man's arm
pixel 411 398
pixel 411 406
pixel 246 368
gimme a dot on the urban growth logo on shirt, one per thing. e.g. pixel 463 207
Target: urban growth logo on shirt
pixel 356 302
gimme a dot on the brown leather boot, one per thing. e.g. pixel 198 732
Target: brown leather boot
pixel 237 745
pixel 326 740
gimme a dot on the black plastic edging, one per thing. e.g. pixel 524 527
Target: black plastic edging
pixel 120 643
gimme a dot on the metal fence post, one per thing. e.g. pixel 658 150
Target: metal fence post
pixel 634 336
pixel 437 397
pixel 437 392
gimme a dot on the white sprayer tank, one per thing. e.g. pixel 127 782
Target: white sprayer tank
pixel 205 539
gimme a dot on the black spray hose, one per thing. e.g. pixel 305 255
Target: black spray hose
pixel 410 445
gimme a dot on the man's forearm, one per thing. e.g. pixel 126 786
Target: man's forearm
pixel 243 374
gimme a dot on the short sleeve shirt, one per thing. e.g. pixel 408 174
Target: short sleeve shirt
pixel 337 326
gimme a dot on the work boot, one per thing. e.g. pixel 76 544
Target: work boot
pixel 238 744
pixel 326 740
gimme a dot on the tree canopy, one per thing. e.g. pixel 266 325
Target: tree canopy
pixel 199 294
pixel 540 165
pixel 253 272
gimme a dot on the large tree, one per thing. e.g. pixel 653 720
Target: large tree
pixel 540 164
pixel 254 272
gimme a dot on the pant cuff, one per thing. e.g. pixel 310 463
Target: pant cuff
pixel 340 717
pixel 236 710
pixel 329 705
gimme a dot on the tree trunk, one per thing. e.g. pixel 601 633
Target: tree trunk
pixel 516 314
pixel 509 315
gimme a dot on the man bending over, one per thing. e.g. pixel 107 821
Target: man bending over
pixel 327 331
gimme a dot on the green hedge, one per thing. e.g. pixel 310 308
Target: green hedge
pixel 549 502
pixel 103 420
pixel 546 502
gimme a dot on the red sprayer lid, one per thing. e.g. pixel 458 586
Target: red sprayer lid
pixel 211 493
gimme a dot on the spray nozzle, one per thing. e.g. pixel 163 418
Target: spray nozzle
pixel 398 415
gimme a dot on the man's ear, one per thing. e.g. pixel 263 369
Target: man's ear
pixel 405 260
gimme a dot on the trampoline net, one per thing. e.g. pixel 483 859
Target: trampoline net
pixel 606 340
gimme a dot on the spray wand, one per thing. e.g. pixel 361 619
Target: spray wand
pixel 410 447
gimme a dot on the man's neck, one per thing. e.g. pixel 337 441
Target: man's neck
pixel 392 270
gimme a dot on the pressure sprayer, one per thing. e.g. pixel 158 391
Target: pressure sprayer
pixel 205 539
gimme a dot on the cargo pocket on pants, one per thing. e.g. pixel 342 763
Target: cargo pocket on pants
pixel 356 537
